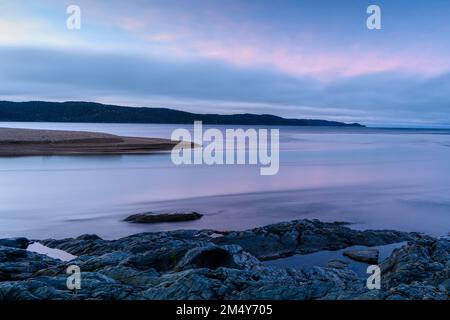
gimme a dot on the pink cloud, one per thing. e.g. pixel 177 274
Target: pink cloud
pixel 210 34
pixel 315 63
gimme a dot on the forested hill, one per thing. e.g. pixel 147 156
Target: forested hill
pixel 40 111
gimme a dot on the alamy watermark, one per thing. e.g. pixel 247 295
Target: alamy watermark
pixel 73 21
pixel 73 281
pixel 234 147
pixel 374 20
pixel 374 280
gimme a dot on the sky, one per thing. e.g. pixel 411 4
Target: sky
pixel 292 58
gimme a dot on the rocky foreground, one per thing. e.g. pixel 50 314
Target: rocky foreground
pixel 209 264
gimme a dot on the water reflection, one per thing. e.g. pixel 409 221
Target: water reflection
pixel 374 178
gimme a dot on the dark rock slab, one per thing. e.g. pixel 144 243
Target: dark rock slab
pixel 307 236
pixel 263 283
pixel 19 243
pixel 158 248
pixel 213 257
pixel 367 255
pixel 337 264
pixel 189 264
pixel 426 261
pixel 150 217
pixel 20 264
pixel 89 237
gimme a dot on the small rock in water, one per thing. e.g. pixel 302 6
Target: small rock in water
pixel 367 255
pixel 337 264
pixel 150 217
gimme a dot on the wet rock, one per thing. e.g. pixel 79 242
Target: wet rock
pixel 19 264
pixel 367 256
pixel 210 257
pixel 138 243
pixel 208 264
pixel 213 257
pixel 425 261
pixel 19 243
pixel 416 291
pixel 337 264
pixel 267 283
pixel 162 259
pixel 151 217
pixel 103 261
pixel 130 276
pixel 89 237
pixel 95 286
pixel 307 236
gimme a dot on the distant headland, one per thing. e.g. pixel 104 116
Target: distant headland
pixel 91 112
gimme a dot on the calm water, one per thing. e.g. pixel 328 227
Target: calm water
pixel 321 258
pixel 397 179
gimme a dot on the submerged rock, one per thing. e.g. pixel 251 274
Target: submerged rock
pixel 337 264
pixel 367 255
pixel 151 217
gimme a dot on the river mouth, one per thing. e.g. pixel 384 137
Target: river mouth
pixel 374 179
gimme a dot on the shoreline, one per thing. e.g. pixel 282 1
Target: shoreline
pixel 216 265
pixel 34 142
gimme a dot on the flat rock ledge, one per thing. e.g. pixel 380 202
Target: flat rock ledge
pixel 150 217
pixel 209 264
pixel 367 256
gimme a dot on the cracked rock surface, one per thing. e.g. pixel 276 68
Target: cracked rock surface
pixel 208 264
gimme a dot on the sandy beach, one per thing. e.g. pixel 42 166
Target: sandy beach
pixel 30 142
